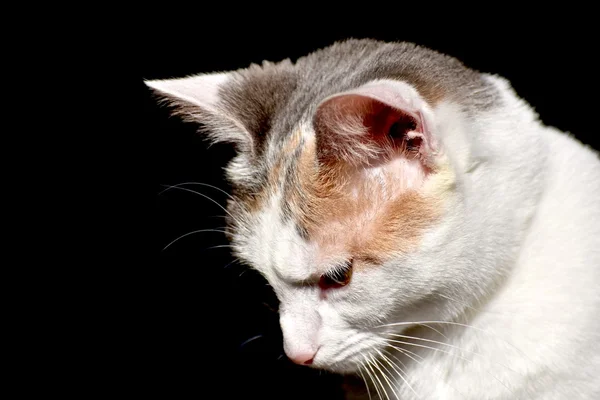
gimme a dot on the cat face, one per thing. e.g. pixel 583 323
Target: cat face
pixel 345 191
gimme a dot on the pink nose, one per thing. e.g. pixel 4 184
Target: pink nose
pixel 303 358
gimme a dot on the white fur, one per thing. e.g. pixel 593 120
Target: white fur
pixel 517 252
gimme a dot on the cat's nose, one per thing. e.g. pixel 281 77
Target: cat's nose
pixel 303 358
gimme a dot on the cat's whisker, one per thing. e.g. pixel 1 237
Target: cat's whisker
pixel 436 330
pixel 399 370
pixel 397 359
pixel 450 353
pixel 408 354
pixel 376 377
pixel 457 324
pixel 390 385
pixel 364 364
pixel 269 307
pixel 360 367
pixel 371 374
pixel 253 338
pixel 449 345
pixel 231 262
pixel 425 325
pixel 219 247
pixel 168 187
pixel 217 216
pixel 206 197
pixel 193 233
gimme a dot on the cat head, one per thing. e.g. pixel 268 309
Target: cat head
pixel 349 189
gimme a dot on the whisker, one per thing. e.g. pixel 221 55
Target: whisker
pixel 231 262
pixel 250 340
pixel 206 197
pixel 421 345
pixel 384 375
pixel 421 324
pixel 368 367
pixel 192 233
pixel 406 353
pixel 219 246
pixel 451 346
pixel 457 324
pixel 370 377
pixel 399 373
pixel 360 367
pixel 435 330
pixel 397 359
pixel 168 187
pixel 379 369
pixel 391 373
pixel 455 355
pixel 269 307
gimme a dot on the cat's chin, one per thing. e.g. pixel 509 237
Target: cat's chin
pixel 345 367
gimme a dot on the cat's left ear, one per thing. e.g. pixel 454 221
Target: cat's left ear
pixel 375 121
pixel 199 99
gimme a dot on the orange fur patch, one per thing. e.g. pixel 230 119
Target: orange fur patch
pixel 349 215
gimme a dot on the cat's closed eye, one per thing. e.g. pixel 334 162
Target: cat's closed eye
pixel 338 277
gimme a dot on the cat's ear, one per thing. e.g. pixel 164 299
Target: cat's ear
pixel 378 119
pixel 199 99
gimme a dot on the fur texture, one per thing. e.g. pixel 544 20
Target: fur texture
pixel 473 230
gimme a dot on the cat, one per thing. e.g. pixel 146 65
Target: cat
pixel 422 229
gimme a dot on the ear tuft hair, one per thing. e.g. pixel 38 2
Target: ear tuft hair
pixel 198 99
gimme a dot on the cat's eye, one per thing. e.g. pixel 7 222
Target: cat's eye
pixel 338 277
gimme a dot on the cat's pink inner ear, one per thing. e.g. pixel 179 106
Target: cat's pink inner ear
pixel 372 120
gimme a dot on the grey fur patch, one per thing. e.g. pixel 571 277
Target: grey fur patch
pixel 274 98
pixel 257 96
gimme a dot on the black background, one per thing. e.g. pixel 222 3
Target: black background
pixel 204 307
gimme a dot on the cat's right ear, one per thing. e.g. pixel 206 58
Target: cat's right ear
pixel 198 99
